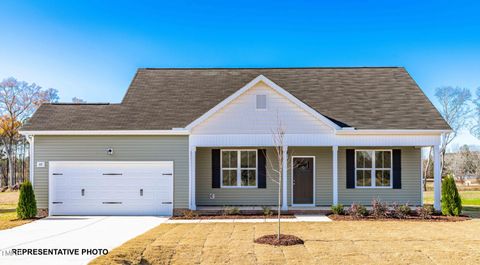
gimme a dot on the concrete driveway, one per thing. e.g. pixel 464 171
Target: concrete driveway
pixel 80 238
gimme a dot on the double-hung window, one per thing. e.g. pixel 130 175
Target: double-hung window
pixel 373 168
pixel 239 168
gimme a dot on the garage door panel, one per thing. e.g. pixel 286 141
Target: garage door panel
pixel 111 188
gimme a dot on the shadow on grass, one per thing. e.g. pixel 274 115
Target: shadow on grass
pixel 10 210
pixel 472 211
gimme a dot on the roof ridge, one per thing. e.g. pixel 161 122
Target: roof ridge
pixel 253 68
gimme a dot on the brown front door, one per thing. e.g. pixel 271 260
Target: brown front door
pixel 302 180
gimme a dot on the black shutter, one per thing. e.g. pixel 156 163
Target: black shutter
pixel 262 169
pixel 397 168
pixel 350 168
pixel 215 168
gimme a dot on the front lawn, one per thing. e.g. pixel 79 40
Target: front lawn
pixel 325 243
pixel 469 197
pixel 8 213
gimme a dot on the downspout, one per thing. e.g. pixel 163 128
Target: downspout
pixel 31 141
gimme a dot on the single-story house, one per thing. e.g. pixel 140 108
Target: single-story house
pixel 205 138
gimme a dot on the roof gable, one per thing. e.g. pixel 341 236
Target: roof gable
pixel 271 85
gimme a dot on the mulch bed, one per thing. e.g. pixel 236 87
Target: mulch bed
pixel 285 240
pixel 241 216
pixel 435 218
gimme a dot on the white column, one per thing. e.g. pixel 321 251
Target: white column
pixel 193 157
pixel 335 174
pixel 284 178
pixel 437 178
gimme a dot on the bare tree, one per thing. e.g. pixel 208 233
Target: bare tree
pixel 475 128
pixel 454 107
pixel 18 101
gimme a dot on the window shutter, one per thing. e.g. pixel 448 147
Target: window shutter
pixel 262 169
pixel 350 168
pixel 215 168
pixel 397 168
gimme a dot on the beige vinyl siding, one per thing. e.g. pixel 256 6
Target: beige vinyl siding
pixel 323 172
pixel 268 196
pixel 231 196
pixel 409 193
pixel 126 148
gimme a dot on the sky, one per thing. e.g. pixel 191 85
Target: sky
pixel 91 49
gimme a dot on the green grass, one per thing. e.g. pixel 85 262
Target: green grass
pixel 469 198
pixel 8 212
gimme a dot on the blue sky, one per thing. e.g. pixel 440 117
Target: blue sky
pixel 91 49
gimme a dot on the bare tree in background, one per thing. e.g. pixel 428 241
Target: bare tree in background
pixel 454 107
pixel 18 101
pixel 475 128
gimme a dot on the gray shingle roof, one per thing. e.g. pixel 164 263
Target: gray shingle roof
pixel 162 99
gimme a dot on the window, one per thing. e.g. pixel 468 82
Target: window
pixel 261 102
pixel 239 168
pixel 373 168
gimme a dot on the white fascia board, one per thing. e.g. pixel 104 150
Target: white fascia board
pixel 391 132
pixel 275 87
pixel 109 132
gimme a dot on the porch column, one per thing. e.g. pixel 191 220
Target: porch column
pixel 284 178
pixel 193 153
pixel 437 178
pixel 335 174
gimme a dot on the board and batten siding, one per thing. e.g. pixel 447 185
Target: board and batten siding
pixel 410 191
pixel 241 116
pixel 125 148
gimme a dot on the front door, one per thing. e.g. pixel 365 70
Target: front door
pixel 302 180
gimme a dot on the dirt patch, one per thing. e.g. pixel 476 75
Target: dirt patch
pixel 9 197
pixel 241 216
pixel 435 218
pixel 285 240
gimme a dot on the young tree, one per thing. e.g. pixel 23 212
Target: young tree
pixel 454 107
pixel 18 101
pixel 278 138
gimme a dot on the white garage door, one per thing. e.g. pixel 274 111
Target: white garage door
pixel 111 188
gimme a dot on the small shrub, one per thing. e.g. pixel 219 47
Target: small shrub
pixel 401 211
pixel 425 212
pixel 338 209
pixel 379 209
pixel 451 201
pixel 189 214
pixel 357 211
pixel 230 210
pixel 27 205
pixel 267 211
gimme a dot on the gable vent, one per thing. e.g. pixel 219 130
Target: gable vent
pixel 261 102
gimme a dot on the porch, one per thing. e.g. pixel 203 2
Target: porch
pixel 328 184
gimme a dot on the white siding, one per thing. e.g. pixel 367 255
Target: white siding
pixel 241 116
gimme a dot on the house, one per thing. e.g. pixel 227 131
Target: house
pixel 202 138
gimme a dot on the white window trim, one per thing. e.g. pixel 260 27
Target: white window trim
pixel 239 169
pixel 373 169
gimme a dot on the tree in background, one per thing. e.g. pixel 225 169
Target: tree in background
pixel 455 109
pixel 18 101
pixel 78 100
pixel 475 128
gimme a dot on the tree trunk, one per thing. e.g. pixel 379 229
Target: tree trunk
pixel 427 170
pixel 11 169
pixel 279 200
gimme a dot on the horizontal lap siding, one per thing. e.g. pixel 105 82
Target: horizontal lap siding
pixel 409 193
pixel 323 171
pixel 126 148
pixel 231 196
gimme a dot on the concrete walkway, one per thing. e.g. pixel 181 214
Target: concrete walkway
pixel 75 233
pixel 298 218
